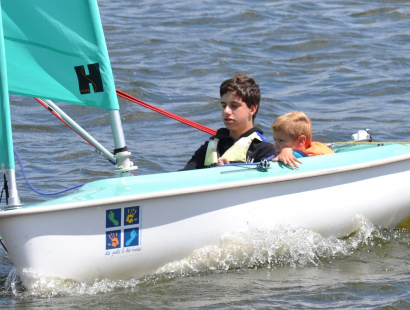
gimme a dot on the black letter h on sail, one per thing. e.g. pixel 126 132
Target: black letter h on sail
pixel 93 78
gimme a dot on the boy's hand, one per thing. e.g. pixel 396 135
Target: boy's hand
pixel 223 161
pixel 286 156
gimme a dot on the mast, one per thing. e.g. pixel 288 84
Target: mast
pixel 69 64
pixel 6 140
pixel 121 154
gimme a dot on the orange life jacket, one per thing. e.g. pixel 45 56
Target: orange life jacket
pixel 318 148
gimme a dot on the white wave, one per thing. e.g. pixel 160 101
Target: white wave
pixel 281 246
pixel 270 248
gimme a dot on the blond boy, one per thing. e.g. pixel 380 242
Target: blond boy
pixel 293 132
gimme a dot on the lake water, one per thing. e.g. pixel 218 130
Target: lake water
pixel 346 64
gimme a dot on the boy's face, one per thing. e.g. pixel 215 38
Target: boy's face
pixel 236 115
pixel 283 140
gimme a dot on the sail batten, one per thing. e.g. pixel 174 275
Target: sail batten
pixel 77 55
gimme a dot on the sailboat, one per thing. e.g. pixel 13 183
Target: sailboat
pixel 130 226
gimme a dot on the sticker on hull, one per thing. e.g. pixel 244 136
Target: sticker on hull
pixel 123 231
pixel 113 218
pixel 131 236
pixel 113 239
pixel 131 216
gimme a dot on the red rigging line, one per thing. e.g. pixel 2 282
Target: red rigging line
pixel 120 93
pixel 142 103
pixel 208 130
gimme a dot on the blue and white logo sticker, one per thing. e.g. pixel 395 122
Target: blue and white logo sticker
pixel 123 231
pixel 131 237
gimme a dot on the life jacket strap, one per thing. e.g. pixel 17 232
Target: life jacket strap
pixel 211 156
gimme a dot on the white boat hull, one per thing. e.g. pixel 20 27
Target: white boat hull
pixel 70 242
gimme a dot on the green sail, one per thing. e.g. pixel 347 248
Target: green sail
pixel 55 49
pixel 6 141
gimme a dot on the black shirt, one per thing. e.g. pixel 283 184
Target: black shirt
pixel 257 150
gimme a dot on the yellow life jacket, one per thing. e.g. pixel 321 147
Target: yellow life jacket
pixel 236 153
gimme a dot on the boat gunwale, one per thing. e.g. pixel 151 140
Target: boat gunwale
pixel 199 189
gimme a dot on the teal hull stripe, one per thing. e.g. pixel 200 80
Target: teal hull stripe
pixel 155 183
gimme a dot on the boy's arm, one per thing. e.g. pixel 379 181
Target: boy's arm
pixel 286 156
pixel 198 159
pixel 262 150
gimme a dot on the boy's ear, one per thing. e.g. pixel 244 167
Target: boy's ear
pixel 302 140
pixel 253 109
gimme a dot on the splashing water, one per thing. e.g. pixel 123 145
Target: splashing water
pixel 281 246
pixel 272 248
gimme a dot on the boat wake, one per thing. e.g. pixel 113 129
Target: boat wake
pixel 278 247
pixel 273 248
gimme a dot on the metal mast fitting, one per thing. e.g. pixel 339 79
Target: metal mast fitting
pixel 122 156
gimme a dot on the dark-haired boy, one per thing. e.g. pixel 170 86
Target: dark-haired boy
pixel 239 141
